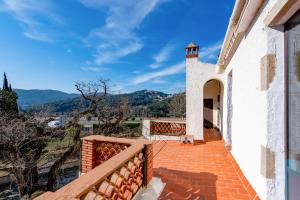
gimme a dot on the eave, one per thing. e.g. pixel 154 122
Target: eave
pixel 242 16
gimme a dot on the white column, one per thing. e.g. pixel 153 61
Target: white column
pixel 146 128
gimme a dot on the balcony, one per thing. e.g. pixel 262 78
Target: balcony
pixel 112 168
pixel 115 168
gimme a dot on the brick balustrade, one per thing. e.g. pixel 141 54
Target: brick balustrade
pixel 169 128
pixel 113 168
pixel 95 153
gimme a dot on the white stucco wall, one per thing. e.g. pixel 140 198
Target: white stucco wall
pixel 257 116
pixel 197 74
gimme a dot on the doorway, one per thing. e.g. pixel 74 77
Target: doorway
pixel 212 109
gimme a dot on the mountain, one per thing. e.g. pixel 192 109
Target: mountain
pixel 144 97
pixel 136 99
pixel 36 97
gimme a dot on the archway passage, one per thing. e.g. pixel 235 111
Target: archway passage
pixel 212 110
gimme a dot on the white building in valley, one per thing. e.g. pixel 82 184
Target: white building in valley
pixel 252 94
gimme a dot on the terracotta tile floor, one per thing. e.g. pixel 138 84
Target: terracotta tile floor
pixel 197 172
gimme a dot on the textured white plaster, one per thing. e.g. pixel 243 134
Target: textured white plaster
pixel 146 128
pixel 197 74
pixel 275 117
pixel 256 116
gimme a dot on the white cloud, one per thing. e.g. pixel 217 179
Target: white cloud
pixel 118 38
pixel 33 15
pixel 174 69
pixel 211 52
pixel 36 35
pixel 93 69
pixel 159 81
pixel 162 56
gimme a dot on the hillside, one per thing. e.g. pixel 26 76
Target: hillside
pixel 37 97
pixel 142 98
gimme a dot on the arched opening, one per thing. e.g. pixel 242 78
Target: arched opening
pixel 213 110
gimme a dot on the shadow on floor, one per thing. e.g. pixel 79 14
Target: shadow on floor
pixel 181 185
pixel 211 135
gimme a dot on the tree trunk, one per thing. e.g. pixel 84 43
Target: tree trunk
pixel 55 168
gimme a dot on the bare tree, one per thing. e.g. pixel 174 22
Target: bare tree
pixel 22 140
pixel 94 93
pixel 177 105
pixel 110 115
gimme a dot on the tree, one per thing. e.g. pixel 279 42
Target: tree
pixel 5 83
pixel 94 93
pixel 159 109
pixel 109 114
pixel 8 98
pixel 22 140
pixel 178 105
pixel 8 101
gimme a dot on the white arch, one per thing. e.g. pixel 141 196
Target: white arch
pixel 197 74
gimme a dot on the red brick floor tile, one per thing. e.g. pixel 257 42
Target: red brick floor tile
pixel 197 172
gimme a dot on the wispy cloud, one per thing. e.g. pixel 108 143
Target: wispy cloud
pixel 34 16
pixel 162 56
pixel 159 81
pixel 211 52
pixel 94 69
pixel 174 69
pixel 118 37
pixel 36 35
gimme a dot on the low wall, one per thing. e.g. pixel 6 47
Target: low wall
pixel 164 127
pixel 112 168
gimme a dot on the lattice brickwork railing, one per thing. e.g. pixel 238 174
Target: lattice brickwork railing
pixel 106 150
pixel 122 184
pixel 169 128
pixel 113 169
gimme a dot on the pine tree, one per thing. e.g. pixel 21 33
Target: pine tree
pixel 5 83
pixel 8 98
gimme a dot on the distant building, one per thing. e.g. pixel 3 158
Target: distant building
pixel 59 121
pixel 88 122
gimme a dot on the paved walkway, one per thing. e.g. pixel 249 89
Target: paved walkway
pixel 197 172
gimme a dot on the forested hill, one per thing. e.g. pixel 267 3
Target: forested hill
pixel 138 98
pixel 37 97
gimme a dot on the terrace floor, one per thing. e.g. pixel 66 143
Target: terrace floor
pixel 197 172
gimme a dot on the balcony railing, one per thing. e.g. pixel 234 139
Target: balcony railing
pixel 164 127
pixel 112 168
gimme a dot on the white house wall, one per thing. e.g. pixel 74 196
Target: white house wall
pixel 257 114
pixel 197 74
pixel 257 121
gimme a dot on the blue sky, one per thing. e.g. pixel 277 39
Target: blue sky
pixel 137 44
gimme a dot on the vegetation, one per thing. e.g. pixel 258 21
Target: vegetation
pixel 8 98
pixel 38 97
pixel 25 141
pixel 142 103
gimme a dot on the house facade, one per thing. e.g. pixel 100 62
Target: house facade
pixel 252 94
